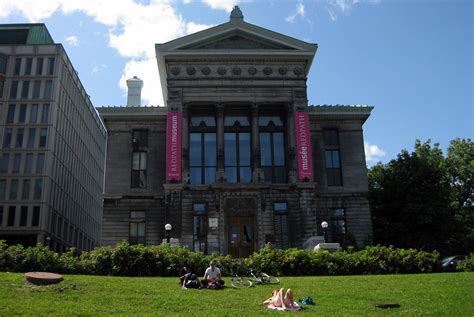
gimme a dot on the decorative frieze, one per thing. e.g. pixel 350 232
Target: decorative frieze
pixel 273 71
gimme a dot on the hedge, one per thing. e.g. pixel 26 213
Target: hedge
pixel 165 260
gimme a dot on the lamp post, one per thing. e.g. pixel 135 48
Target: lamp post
pixel 325 225
pixel 168 228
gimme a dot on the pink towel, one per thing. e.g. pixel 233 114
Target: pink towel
pixel 295 307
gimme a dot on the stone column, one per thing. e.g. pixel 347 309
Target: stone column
pixel 220 143
pixel 255 144
pixel 291 142
pixel 185 144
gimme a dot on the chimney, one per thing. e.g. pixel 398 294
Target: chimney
pixel 134 96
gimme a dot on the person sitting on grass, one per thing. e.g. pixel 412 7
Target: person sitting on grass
pixel 279 302
pixel 212 276
pixel 184 272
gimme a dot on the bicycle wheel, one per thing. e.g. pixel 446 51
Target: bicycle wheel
pixel 270 279
pixel 247 282
pixel 237 282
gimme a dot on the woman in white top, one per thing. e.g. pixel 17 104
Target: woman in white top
pixel 212 276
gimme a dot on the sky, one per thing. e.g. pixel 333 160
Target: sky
pixel 412 60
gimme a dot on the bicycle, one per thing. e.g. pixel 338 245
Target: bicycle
pixel 239 282
pixel 263 278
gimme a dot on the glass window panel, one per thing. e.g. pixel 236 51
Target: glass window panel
pixel 210 175
pixel 199 207
pixel 5 162
pixel 210 149
pixel 23 215
pixel 47 89
pixel 280 206
pixel 16 163
pixel 245 174
pixel 26 189
pixel 264 121
pixel 231 174
pixel 7 141
pixel 142 178
pixel 28 163
pixel 14 189
pixel 195 175
pixel 230 140
pixel 135 160
pixel 22 116
pixel 244 149
pixel 42 141
pixel 278 149
pixel 268 173
pixel 141 229
pixel 230 121
pixel 38 189
pixel 36 216
pixel 11 216
pixel 45 114
pixel 3 65
pixel 328 158
pixel 339 212
pixel 51 66
pixel 14 89
pixel 25 89
pixel 195 149
pixel 11 113
pixel 40 163
pixel 265 149
pixel 248 233
pixel 39 66
pixel 133 229
pixel 3 186
pixel 137 215
pixel 234 234
pixel 2 85
pixel 17 66
pixel 143 160
pixel 29 63
pixel 207 121
pixel 36 89
pixel 19 137
pixel 279 174
pixel 31 137
pixel 34 113
pixel 335 159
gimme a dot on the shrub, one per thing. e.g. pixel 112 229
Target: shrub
pixel 467 265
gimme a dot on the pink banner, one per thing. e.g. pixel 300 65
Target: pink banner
pixel 173 146
pixel 303 146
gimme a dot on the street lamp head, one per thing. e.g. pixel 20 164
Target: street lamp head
pixel 168 227
pixel 324 224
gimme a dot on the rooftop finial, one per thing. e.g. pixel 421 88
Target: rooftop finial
pixel 236 14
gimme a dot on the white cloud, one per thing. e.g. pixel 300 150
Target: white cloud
pixel 72 40
pixel 345 6
pixel 192 27
pixel 98 68
pixel 373 152
pixel 226 5
pixel 299 12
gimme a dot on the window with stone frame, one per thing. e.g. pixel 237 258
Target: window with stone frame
pixel 139 169
pixel 237 148
pixel 332 157
pixel 272 147
pixel 137 227
pixel 202 149
pixel 200 225
pixel 140 138
pixel 280 220
pixel 338 225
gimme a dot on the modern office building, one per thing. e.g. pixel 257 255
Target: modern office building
pixel 237 158
pixel 52 151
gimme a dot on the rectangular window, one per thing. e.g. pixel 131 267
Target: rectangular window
pixel 23 216
pixel 40 163
pixel 3 65
pixel 5 162
pixel 36 89
pixel 280 217
pixel 139 169
pixel 11 113
pixel 3 187
pixel 25 90
pixel 137 227
pixel 338 225
pixel 28 163
pixel 140 138
pixel 31 138
pixel 1 216
pixel 237 157
pixel 47 89
pixel 39 66
pixel 16 163
pixel 14 189
pixel 45 114
pixel 332 157
pixel 202 158
pixel 11 216
pixel 19 137
pixel 42 140
pixel 14 89
pixel 51 66
pixel 29 63
pixel 25 193
pixel 22 116
pixel 36 216
pixel 200 225
pixel 2 84
pixel 272 156
pixel 38 189
pixel 34 113
pixel 7 141
pixel 17 66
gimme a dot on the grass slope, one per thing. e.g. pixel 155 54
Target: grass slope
pixel 418 295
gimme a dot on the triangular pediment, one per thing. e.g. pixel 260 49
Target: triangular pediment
pixel 238 42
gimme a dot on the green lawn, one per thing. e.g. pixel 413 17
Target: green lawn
pixel 450 294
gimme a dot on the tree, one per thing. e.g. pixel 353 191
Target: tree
pixel 410 200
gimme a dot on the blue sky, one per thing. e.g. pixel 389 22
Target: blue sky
pixel 410 59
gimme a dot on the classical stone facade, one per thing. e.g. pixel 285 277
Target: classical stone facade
pixel 240 92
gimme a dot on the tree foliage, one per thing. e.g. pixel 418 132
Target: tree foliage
pixel 418 199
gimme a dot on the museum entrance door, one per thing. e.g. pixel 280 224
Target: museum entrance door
pixel 241 240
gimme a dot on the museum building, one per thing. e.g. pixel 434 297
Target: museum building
pixel 53 143
pixel 237 158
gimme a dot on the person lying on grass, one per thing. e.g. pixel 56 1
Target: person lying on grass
pixel 212 276
pixel 279 302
